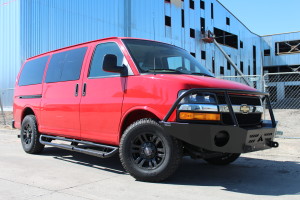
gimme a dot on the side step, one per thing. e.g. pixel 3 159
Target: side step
pixel 102 151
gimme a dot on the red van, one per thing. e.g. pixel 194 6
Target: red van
pixel 150 102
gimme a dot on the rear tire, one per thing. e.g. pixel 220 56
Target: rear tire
pixel 225 159
pixel 30 135
pixel 149 154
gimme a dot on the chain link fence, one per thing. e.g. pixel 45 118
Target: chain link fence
pixel 6 102
pixel 284 90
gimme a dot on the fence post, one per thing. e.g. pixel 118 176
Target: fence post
pixel 2 111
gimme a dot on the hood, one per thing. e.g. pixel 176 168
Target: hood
pixel 194 81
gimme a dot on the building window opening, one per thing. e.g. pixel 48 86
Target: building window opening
pixel 202 4
pixel 221 70
pixel 212 10
pixel 167 21
pixel 241 44
pixel 227 21
pixel 182 18
pixel 228 65
pixel 213 65
pixel 202 25
pixel 242 66
pixel 192 33
pixel 193 54
pixel 287 47
pixel 203 55
pixel 226 38
pixel 267 52
pixel 192 4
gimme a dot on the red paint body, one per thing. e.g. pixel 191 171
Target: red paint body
pixel 106 109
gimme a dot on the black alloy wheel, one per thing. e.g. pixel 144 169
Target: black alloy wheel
pixel 147 153
pixel 30 135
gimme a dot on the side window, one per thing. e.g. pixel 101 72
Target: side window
pixel 65 66
pixel 97 61
pixel 33 71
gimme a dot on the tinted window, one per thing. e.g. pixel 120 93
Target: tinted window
pixel 97 62
pixel 65 66
pixel 33 71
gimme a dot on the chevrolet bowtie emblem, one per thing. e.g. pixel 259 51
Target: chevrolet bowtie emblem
pixel 245 108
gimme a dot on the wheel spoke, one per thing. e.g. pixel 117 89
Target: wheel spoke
pixel 161 155
pixel 141 139
pixel 161 150
pixel 150 164
pixel 142 162
pixel 157 141
pixel 154 138
pixel 137 160
pixel 154 162
pixel 145 138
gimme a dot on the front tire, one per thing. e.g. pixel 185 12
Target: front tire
pixel 30 135
pixel 149 154
pixel 224 159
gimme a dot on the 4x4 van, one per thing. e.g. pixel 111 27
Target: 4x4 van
pixel 150 102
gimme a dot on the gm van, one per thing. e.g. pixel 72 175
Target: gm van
pixel 150 102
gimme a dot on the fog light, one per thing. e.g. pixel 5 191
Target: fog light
pixel 221 138
pixel 199 116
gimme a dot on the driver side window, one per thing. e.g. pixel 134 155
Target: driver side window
pixel 101 50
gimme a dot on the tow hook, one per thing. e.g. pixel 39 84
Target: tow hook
pixel 273 144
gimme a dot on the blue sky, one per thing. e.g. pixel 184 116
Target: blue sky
pixel 265 17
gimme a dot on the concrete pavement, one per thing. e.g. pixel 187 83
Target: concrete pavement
pixel 60 174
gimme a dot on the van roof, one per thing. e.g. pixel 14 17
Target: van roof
pixel 77 45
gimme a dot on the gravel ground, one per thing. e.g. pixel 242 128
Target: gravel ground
pixel 8 118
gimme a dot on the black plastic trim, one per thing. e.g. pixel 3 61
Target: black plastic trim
pixel 30 96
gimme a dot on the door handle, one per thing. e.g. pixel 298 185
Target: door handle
pixel 76 90
pixel 84 89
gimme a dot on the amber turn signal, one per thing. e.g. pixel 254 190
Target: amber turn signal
pixel 199 116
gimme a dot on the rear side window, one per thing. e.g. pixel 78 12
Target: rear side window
pixel 65 66
pixel 33 71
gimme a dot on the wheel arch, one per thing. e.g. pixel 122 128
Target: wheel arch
pixel 136 114
pixel 27 111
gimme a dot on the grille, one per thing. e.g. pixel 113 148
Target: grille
pixel 243 120
pixel 238 100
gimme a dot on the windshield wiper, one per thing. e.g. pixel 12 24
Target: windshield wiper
pixel 166 70
pixel 201 74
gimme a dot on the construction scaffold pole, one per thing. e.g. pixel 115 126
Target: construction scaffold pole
pixel 211 39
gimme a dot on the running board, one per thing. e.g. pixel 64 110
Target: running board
pixel 105 151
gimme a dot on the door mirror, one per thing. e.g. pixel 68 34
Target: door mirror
pixel 110 64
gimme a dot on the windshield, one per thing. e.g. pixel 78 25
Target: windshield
pixel 157 58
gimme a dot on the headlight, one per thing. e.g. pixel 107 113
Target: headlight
pixel 203 98
pixel 198 106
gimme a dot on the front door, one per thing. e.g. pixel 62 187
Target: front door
pixel 101 103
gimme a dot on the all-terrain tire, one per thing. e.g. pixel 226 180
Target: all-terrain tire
pixel 149 154
pixel 30 135
pixel 225 159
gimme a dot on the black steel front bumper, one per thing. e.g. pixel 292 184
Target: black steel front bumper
pixel 241 139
